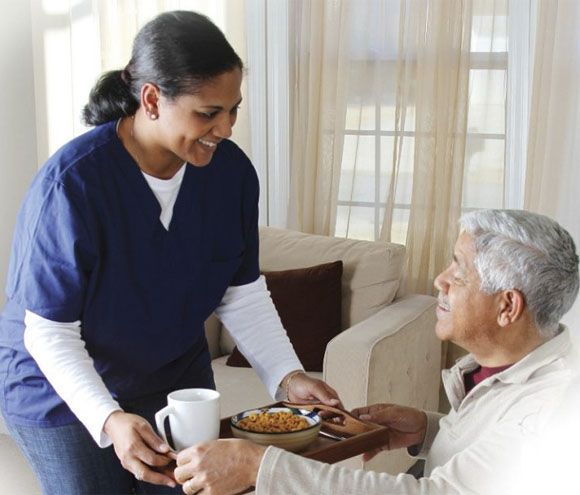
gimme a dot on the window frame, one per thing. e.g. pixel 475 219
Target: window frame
pixel 478 61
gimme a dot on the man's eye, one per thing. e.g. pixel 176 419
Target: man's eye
pixel 207 115
pixel 234 110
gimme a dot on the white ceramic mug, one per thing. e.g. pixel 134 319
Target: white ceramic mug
pixel 194 416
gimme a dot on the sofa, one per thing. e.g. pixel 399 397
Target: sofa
pixel 386 350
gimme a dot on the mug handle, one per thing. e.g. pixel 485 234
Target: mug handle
pixel 160 421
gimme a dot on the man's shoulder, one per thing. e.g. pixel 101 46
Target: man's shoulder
pixel 533 402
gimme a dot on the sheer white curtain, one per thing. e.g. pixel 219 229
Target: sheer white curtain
pixel 435 58
pixel 320 59
pixel 399 121
pixel 553 171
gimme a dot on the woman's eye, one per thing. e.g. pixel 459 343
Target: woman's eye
pixel 234 110
pixel 207 115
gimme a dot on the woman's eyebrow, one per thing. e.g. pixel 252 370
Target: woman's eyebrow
pixel 218 107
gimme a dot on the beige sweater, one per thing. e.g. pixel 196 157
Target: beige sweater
pixel 473 451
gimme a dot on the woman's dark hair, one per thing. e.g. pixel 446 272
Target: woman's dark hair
pixel 177 51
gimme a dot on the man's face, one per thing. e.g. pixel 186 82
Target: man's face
pixel 465 315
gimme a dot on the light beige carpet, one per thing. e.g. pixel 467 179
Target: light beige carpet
pixel 16 477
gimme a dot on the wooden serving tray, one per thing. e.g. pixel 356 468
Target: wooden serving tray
pixel 358 436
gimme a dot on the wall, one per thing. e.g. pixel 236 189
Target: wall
pixel 17 122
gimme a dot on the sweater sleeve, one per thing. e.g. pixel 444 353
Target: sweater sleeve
pixel 485 466
pixel 251 317
pixel 61 355
pixel 284 472
pixel 422 449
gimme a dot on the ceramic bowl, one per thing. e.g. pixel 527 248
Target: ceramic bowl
pixel 293 441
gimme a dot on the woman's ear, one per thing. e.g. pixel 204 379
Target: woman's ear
pixel 511 306
pixel 149 100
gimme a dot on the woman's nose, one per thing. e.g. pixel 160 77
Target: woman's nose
pixel 223 128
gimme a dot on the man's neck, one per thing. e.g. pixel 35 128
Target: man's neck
pixel 510 346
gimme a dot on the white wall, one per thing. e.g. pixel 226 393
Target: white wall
pixel 17 119
pixel 18 162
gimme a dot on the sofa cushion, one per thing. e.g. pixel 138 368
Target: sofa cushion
pixel 372 270
pixel 308 301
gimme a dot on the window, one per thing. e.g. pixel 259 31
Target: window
pixel 370 133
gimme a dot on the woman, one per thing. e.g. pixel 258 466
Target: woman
pixel 129 238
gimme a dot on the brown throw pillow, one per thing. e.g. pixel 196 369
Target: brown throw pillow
pixel 308 301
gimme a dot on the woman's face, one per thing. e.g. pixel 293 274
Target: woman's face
pixel 192 126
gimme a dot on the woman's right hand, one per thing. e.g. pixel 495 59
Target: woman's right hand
pixel 407 425
pixel 139 449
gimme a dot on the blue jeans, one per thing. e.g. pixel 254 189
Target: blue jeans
pixel 67 461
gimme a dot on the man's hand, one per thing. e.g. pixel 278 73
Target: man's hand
pixel 407 425
pixel 220 467
pixel 139 449
pixel 302 388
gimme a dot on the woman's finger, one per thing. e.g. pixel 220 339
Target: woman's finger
pixel 153 440
pixel 367 456
pixel 143 473
pixel 150 457
pixel 151 449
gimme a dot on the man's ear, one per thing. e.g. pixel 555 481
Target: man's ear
pixel 511 306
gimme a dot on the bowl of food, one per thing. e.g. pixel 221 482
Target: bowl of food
pixel 289 428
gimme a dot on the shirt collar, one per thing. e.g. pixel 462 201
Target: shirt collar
pixel 519 372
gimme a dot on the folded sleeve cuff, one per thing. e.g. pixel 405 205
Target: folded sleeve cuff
pixel 97 423
pixel 422 449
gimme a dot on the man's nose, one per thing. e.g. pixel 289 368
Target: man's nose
pixel 441 283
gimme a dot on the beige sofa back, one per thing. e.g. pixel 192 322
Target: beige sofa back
pixel 371 276
pixel 372 270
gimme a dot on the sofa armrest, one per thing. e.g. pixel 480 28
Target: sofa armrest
pixel 213 334
pixel 392 356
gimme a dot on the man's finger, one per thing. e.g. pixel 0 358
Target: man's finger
pixel 360 411
pixel 183 473
pixel 190 487
pixel 186 456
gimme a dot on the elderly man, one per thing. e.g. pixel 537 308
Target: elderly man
pixel 513 275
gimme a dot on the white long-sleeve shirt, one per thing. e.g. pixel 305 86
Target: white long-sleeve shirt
pixel 474 449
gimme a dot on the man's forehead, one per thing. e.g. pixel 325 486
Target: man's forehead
pixel 464 251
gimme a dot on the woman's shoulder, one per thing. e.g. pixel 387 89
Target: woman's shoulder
pixel 233 153
pixel 80 154
pixel 231 159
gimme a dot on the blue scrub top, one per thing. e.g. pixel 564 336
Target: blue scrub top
pixel 89 246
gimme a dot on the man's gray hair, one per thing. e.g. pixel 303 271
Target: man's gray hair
pixel 532 253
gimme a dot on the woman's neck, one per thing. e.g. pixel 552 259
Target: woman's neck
pixel 137 136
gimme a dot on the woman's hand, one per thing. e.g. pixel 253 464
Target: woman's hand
pixel 139 449
pixel 302 388
pixel 222 467
pixel 407 425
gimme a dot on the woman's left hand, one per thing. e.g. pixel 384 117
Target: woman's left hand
pixel 303 388
pixel 221 467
